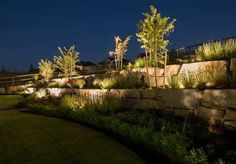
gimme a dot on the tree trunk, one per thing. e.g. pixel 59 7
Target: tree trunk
pixel 155 69
pixel 164 76
pixel 116 63
pixel 121 63
pixel 146 65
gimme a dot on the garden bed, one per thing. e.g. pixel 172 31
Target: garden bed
pixel 181 139
pixel 216 103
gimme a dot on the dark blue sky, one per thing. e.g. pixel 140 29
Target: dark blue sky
pixel 33 29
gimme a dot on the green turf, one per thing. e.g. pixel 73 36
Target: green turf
pixel 9 101
pixel 27 138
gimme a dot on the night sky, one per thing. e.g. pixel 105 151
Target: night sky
pixel 32 30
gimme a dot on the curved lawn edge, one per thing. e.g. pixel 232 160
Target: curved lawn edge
pixel 146 151
pixel 40 139
pixel 9 101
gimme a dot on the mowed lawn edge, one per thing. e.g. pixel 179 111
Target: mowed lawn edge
pixel 28 138
pixel 9 101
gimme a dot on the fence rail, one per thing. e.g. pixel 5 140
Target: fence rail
pixel 9 80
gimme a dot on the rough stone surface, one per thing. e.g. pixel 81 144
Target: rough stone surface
pixel 149 93
pixel 147 104
pixel 132 93
pixel 159 82
pixel 209 113
pixel 117 92
pixel 31 90
pixel 230 125
pixel 172 69
pixel 183 112
pixel 56 92
pixel 219 98
pixel 13 89
pixel 2 91
pixel 94 92
pixel 130 103
pixel 230 115
pixel 234 77
pixel 207 65
pixel 233 65
pixel 179 98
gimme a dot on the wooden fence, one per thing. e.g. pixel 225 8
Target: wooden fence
pixel 11 80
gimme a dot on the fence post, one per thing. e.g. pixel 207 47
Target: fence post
pixel 13 80
pixel 165 62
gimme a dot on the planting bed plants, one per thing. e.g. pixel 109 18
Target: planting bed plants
pixel 151 134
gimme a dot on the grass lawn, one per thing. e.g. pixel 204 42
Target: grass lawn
pixel 9 101
pixel 26 138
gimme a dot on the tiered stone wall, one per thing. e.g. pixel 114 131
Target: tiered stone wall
pixel 221 66
pixel 233 69
pixel 217 104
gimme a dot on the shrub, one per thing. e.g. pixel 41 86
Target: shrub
pixel 217 50
pixel 80 83
pixel 106 105
pixel 174 144
pixel 196 156
pixel 230 48
pixel 139 63
pixel 210 51
pixel 219 161
pixel 108 83
pixel 54 84
pixel 109 104
pixel 218 78
pixel 46 69
pixel 120 82
pixel 96 83
pixel 41 93
pixel 174 81
pixel 188 80
pixel 203 79
pixel 74 102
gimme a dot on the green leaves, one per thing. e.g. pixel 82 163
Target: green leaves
pixel 152 31
pixel 46 69
pixel 66 63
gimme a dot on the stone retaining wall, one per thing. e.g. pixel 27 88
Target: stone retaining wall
pixel 217 104
pixel 2 90
pixel 223 66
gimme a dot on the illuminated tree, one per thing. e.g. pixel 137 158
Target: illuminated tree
pixel 120 50
pixel 46 69
pixel 151 33
pixel 66 62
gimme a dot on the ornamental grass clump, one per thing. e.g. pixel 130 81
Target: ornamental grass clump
pixel 109 104
pixel 196 156
pixel 108 83
pixel 217 50
pixel 188 79
pixel 139 63
pixel 79 83
pixel 203 80
pixel 210 51
pixel 230 48
pixel 218 78
pixel 74 102
pixel 174 81
pixel 119 82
